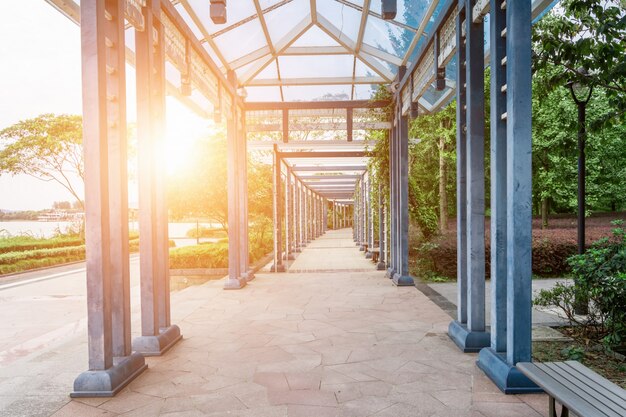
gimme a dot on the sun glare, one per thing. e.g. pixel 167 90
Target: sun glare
pixel 184 127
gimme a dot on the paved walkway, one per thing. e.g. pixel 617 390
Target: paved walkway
pixel 318 344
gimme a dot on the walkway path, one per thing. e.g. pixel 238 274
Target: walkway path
pixel 318 344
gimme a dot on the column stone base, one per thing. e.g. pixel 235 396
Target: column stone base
pixel 381 266
pixel 466 340
pixel 506 377
pixel 368 255
pixel 289 257
pixel 235 283
pixel 277 268
pixel 157 345
pixel 109 382
pixel 390 273
pixel 400 280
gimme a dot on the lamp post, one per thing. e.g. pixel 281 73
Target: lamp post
pixel 581 95
pixel 579 92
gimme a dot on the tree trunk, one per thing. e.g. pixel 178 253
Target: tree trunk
pixel 544 212
pixel 443 180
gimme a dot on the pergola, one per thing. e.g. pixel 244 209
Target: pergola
pixel 264 72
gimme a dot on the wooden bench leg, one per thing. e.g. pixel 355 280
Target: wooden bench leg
pixel 552 409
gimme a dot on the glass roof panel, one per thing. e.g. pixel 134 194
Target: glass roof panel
pixel 387 37
pixel 235 12
pixel 267 3
pixel 254 64
pixel 292 12
pixel 314 92
pixel 345 18
pixel 316 66
pixel 380 62
pixel 269 72
pixel 247 38
pixel 263 94
pixel 363 91
pixel 194 28
pixel 315 37
pixel 362 70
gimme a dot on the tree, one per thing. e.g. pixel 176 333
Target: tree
pixel 48 147
pixel 430 181
pixel 587 41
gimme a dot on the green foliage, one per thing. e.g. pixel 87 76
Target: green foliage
pixel 214 255
pixel 555 150
pixel 587 35
pixel 48 147
pixel 27 243
pixel 204 231
pixel 437 135
pixel 573 353
pixel 600 277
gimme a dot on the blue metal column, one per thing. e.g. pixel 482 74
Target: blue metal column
pixel 391 264
pixel 472 336
pixel 402 277
pixel 278 265
pixel 498 177
pixel 382 236
pixel 500 367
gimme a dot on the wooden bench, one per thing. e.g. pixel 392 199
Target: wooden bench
pixel 375 254
pixel 577 388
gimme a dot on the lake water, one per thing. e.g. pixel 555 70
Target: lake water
pixel 49 229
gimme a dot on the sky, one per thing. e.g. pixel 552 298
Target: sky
pixel 40 72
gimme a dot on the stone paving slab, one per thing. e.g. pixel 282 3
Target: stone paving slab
pixel 342 344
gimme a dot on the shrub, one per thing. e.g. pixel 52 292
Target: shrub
pixel 599 278
pixel 213 255
pixel 27 243
pixel 204 231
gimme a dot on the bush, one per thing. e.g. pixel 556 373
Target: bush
pixel 549 256
pixel 204 231
pixel 600 281
pixel 27 243
pixel 213 255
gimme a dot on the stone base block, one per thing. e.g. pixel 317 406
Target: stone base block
pixel 157 345
pixel 403 280
pixel 380 266
pixel 289 257
pixel 368 255
pixel 468 341
pixel 277 268
pixel 109 382
pixel 506 377
pixel 235 283
pixel 390 273
pixel 361 248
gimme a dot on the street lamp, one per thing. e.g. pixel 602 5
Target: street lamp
pixel 581 95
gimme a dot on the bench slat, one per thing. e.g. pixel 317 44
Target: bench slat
pixel 574 401
pixel 597 387
pixel 606 384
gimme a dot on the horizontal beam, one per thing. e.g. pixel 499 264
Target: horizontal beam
pixel 310 144
pixel 329 183
pixel 323 154
pixel 329 168
pixel 327 177
pixel 316 50
pixel 308 126
pixel 276 82
pixel 305 105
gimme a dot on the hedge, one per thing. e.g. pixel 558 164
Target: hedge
pixel 213 255
pixel 26 243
